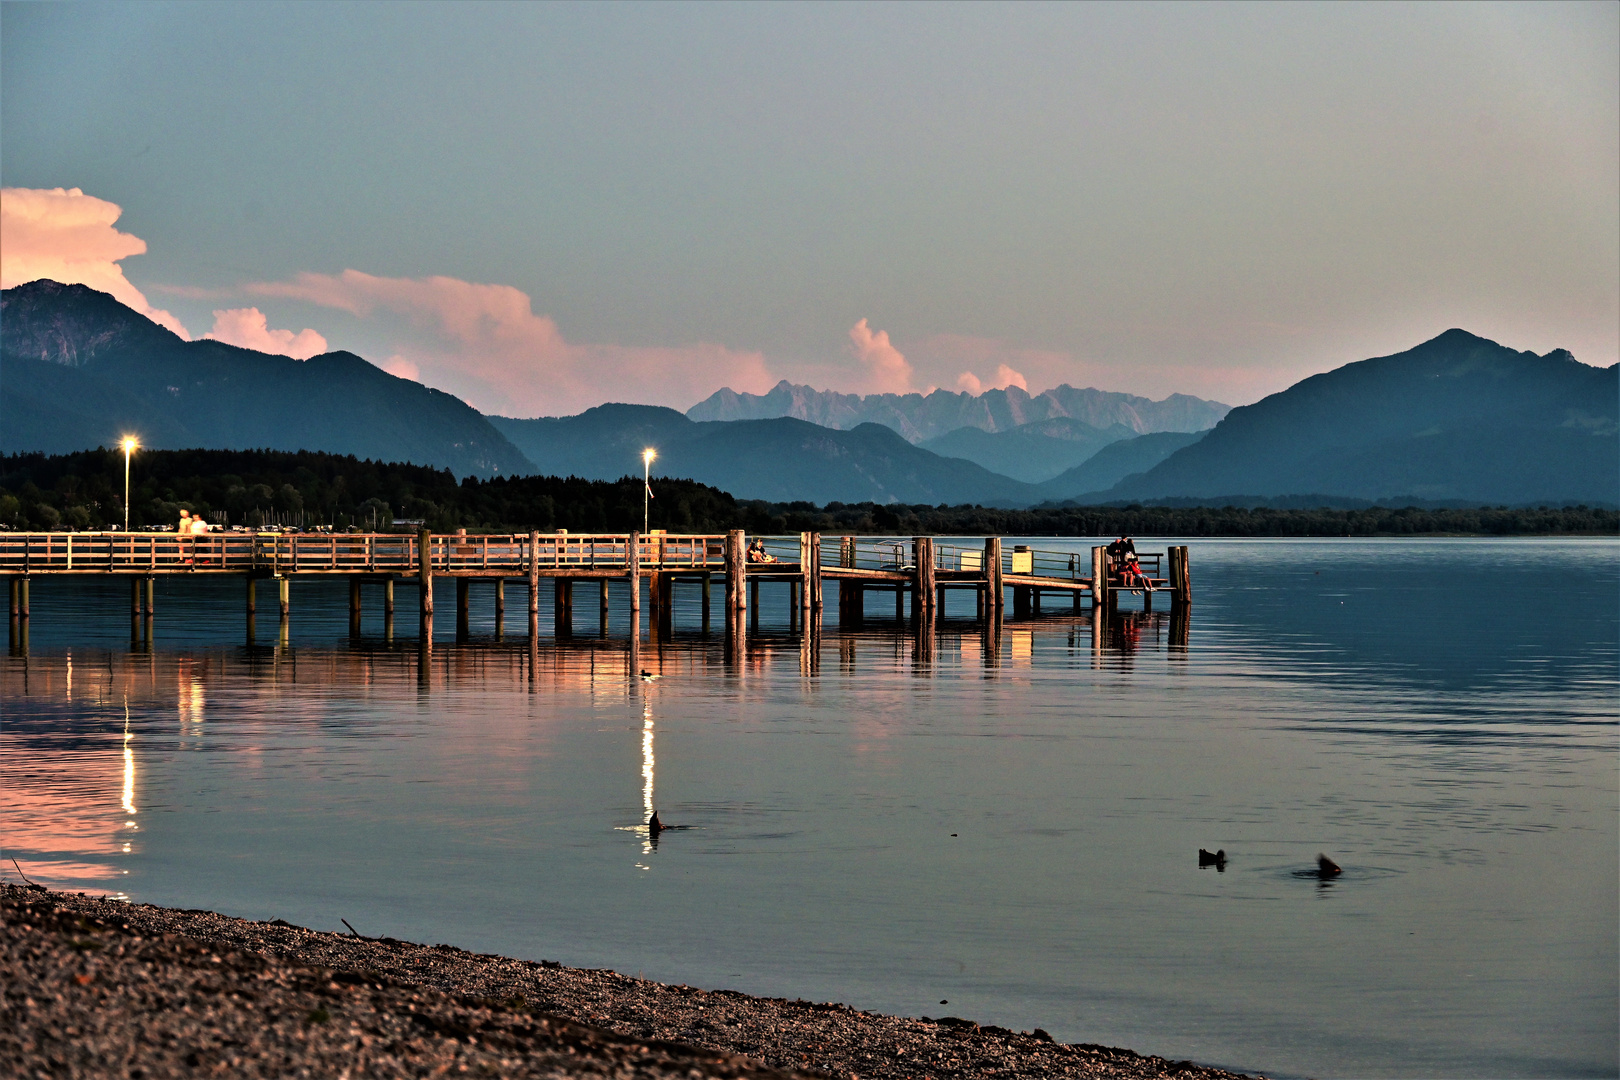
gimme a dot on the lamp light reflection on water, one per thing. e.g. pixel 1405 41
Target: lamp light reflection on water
pixel 648 764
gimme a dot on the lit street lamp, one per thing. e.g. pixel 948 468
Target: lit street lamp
pixel 129 444
pixel 647 457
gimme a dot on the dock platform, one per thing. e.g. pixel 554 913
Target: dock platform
pixel 919 571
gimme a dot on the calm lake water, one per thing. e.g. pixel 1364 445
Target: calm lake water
pixel 1010 826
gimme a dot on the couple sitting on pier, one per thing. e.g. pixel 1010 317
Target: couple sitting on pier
pixel 1122 558
pixel 757 552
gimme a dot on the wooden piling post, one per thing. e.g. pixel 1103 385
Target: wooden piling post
pixel 534 577
pixel 815 577
pixel 562 605
pixel 424 570
pixel 151 596
pixel 807 573
pixel 22 598
pixel 602 602
pixel 388 598
pixel 500 602
pixel 283 595
pixel 632 560
pixel 462 604
pixel 707 578
pixel 736 570
pixel 252 596
pixel 994 596
pixel 134 596
pixel 1183 578
pixel 900 603
pixel 1099 577
pixel 923 546
pixel 354 596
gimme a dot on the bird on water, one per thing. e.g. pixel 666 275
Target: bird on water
pixel 654 826
pixel 1217 859
pixel 647 676
pixel 1326 867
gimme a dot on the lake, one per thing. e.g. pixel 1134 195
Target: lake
pixel 1004 828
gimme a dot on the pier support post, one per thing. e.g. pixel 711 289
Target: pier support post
pixel 707 578
pixel 134 596
pixel 461 599
pixel 602 605
pixel 388 599
pixel 562 606
pixel 752 603
pixel 632 561
pixel 534 578
pixel 923 600
pixel 283 596
pixel 808 575
pixel 1021 601
pixel 424 570
pixel 500 602
pixel 736 570
pixel 815 579
pixel 993 586
pixel 1180 578
pixel 1099 578
pixel 252 596
pixel 900 603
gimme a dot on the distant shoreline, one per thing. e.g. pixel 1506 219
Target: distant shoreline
pixel 119 986
pixel 263 487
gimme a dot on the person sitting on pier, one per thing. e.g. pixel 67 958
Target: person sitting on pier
pixel 1121 557
pixel 199 530
pixel 757 552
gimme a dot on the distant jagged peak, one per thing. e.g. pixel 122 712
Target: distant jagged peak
pixel 919 417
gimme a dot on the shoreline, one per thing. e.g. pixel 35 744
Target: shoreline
pixel 94 985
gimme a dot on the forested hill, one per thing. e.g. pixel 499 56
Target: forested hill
pixel 249 487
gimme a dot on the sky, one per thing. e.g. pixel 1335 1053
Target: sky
pixel 541 207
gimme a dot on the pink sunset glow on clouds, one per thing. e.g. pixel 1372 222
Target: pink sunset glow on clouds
pixel 887 369
pixel 68 236
pixel 485 344
pixel 1003 378
pixel 248 328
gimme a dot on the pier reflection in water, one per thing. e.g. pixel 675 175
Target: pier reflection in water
pixel 1004 815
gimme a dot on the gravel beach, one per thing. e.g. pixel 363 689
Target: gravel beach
pixel 94 987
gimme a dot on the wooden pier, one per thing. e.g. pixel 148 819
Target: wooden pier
pixel 920 570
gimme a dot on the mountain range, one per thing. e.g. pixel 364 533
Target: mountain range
pixel 1458 419
pixel 781 459
pixel 78 369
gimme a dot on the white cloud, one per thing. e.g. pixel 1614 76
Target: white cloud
pixel 248 328
pixel 68 236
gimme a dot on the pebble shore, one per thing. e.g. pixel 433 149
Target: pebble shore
pixel 93 987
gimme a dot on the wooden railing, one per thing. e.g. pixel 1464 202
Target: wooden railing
pixel 346 553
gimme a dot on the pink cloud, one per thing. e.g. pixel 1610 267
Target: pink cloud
pixel 888 371
pixel 68 236
pixel 1004 377
pixel 485 344
pixel 248 328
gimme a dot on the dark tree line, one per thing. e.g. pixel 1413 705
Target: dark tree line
pixel 257 487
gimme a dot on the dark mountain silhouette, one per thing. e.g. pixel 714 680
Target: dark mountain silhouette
pixel 1118 460
pixel 919 417
pixel 1029 452
pixel 1456 419
pixel 781 459
pixel 78 369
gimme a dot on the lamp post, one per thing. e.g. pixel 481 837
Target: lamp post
pixel 647 457
pixel 129 445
